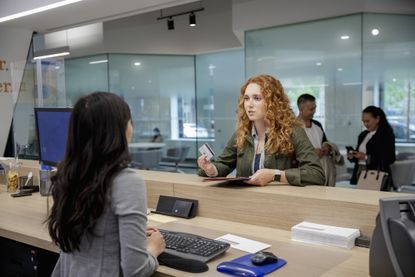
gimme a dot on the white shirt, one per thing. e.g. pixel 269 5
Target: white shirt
pixel 362 146
pixel 314 134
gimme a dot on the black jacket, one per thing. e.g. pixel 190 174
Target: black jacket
pixel 380 151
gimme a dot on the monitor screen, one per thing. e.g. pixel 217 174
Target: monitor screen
pixel 52 133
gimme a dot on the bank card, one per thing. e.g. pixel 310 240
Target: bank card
pixel 207 151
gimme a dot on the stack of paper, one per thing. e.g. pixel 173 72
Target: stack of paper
pixel 324 234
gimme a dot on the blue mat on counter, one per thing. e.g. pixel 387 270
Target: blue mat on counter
pixel 243 266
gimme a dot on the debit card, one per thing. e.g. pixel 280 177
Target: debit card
pixel 207 151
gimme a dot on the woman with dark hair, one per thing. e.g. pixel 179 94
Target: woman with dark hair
pixel 268 140
pixel 157 137
pixel 375 145
pixel 99 212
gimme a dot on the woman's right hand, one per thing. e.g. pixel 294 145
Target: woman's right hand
pixel 356 155
pixel 206 165
pixel 155 243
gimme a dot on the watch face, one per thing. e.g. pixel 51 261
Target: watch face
pixel 277 177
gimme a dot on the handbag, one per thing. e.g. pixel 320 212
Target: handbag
pixel 372 180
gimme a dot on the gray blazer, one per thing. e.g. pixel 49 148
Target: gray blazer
pixel 119 246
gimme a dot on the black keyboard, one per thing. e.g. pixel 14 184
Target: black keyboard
pixel 193 247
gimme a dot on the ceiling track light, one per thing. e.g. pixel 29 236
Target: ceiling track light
pixel 170 21
pixel 192 20
pixel 170 24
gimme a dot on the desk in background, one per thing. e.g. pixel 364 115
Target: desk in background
pixel 146 145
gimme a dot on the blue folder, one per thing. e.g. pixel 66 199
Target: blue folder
pixel 243 266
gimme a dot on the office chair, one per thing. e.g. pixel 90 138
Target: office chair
pixel 403 173
pixel 147 159
pixel 177 155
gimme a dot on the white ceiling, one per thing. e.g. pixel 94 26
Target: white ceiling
pixel 80 13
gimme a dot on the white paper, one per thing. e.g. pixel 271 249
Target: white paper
pixel 324 234
pixel 240 243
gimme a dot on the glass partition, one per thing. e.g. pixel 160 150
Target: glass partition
pixel 24 118
pixel 85 75
pixel 322 58
pixel 219 78
pixel 347 62
pixel 160 90
pixel 389 71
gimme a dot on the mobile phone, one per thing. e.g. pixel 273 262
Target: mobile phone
pixel 21 194
pixel 206 150
pixel 349 148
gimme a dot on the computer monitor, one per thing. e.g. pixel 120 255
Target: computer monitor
pixel 52 133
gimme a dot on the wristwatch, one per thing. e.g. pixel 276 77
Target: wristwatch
pixel 277 175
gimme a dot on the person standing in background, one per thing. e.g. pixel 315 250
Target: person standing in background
pixel 99 213
pixel 157 137
pixel 375 146
pixel 328 152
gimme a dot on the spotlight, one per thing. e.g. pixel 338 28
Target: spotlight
pixel 170 24
pixel 192 20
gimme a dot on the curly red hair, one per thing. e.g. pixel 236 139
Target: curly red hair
pixel 279 117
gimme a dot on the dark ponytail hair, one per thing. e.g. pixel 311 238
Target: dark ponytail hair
pixel 384 125
pixel 96 151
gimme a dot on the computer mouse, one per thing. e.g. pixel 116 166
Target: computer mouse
pixel 236 269
pixel 264 258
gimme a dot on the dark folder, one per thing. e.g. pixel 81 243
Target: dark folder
pixel 228 181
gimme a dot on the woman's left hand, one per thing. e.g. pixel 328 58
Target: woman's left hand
pixel 262 177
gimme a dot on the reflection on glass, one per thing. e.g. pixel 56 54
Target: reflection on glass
pixel 389 70
pixel 219 78
pixel 322 58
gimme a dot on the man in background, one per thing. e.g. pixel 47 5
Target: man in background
pixel 327 151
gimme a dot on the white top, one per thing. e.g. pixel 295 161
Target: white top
pixel 314 134
pixel 362 146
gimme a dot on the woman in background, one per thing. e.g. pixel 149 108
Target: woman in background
pixel 99 212
pixel 375 145
pixel 268 141
pixel 157 137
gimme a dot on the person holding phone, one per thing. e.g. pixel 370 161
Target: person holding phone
pixel 99 213
pixel 375 145
pixel 269 143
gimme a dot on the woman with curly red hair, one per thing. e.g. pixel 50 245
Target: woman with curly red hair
pixel 269 143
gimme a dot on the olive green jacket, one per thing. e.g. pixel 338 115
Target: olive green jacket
pixel 308 172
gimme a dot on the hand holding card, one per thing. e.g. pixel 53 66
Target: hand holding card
pixel 207 151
